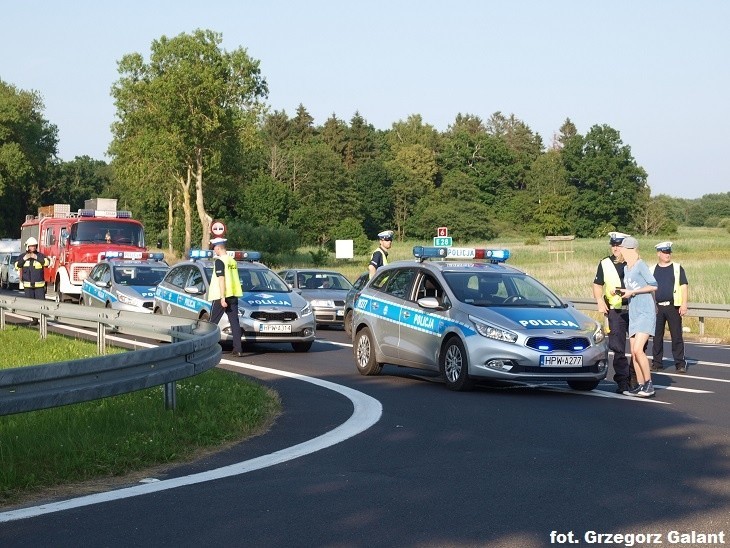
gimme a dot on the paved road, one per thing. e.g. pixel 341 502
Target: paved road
pixel 504 465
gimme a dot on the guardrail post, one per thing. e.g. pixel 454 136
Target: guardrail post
pixel 170 396
pixel 43 328
pixel 702 325
pixel 2 318
pixel 100 339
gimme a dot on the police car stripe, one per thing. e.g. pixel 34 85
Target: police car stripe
pixel 417 319
pixel 97 293
pixel 182 300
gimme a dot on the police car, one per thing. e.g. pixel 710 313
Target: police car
pixel 269 311
pixel 474 319
pixel 124 281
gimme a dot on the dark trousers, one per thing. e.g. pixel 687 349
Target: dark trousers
pixel 216 313
pixel 669 315
pixel 34 292
pixel 618 324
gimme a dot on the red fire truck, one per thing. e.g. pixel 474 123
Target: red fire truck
pixel 74 241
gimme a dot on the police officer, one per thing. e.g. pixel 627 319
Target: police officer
pixel 610 278
pixel 671 296
pixel 380 255
pixel 224 290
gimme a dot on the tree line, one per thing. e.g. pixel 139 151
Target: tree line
pixel 194 140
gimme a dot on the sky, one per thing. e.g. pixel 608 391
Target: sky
pixel 657 71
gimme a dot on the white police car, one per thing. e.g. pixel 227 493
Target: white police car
pixel 269 311
pixel 124 281
pixel 470 320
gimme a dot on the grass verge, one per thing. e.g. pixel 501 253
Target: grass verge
pixel 113 437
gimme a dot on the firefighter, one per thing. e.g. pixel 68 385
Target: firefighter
pixel 31 268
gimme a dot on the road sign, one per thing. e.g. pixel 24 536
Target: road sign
pixel 442 242
pixel 218 229
pixel 442 232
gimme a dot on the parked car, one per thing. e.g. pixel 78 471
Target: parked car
pixel 123 283
pixel 269 311
pixel 325 290
pixel 469 320
pixel 362 279
pixel 8 273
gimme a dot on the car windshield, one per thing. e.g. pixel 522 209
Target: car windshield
pixel 323 280
pixel 501 289
pixel 102 231
pixel 258 279
pixel 139 274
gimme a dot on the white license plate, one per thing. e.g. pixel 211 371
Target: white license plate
pixel 561 361
pixel 274 328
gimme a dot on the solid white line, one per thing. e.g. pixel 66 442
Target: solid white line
pixel 367 411
pixel 680 389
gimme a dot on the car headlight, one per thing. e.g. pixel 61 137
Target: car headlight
pixel 322 303
pixel 598 334
pixel 306 311
pixel 126 299
pixel 493 332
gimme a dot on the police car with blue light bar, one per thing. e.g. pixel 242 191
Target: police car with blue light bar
pixel 466 314
pixel 124 280
pixel 269 311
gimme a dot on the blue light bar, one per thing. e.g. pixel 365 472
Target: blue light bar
pixel 200 253
pixel 87 213
pixel 496 255
pixel 124 214
pixel 425 252
pixel 156 256
pixel 111 254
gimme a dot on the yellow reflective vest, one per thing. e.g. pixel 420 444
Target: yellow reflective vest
pixel 611 282
pixel 232 281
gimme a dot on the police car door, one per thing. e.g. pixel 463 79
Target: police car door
pixel 387 306
pixel 420 330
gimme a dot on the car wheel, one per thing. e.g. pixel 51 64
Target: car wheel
pixel 158 311
pixel 364 349
pixel 205 317
pixel 301 346
pixel 348 323
pixel 455 365
pixel 583 385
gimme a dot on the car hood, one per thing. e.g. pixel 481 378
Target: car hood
pixel 334 294
pixel 567 319
pixel 264 299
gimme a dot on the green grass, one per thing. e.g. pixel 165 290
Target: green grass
pixel 115 436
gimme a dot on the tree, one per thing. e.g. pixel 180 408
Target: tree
pixel 413 171
pixel 180 114
pixel 27 152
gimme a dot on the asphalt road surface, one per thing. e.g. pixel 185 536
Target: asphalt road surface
pixel 399 460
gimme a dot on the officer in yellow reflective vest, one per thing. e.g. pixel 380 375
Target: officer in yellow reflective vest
pixel 672 295
pixel 609 278
pixel 380 256
pixel 224 290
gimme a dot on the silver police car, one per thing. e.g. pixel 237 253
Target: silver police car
pixel 124 281
pixel 269 311
pixel 473 319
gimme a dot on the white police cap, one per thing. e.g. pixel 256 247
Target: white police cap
pixel 386 235
pixel 664 246
pixel 617 237
pixel 218 241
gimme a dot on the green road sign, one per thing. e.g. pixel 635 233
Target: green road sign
pixel 442 242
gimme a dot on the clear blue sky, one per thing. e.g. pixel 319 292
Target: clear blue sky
pixel 658 71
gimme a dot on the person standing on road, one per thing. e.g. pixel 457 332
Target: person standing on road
pixel 606 290
pixel 224 290
pixel 640 288
pixel 380 255
pixel 31 272
pixel 672 296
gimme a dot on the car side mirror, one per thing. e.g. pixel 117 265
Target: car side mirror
pixel 193 290
pixel 101 283
pixel 430 303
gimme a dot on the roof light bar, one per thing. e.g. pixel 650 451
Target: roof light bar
pixel 491 255
pixel 423 252
pixel 245 255
pixel 200 253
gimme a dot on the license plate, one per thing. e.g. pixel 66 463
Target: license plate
pixel 561 361
pixel 274 328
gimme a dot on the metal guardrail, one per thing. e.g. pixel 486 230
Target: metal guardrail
pixel 194 349
pixel 696 310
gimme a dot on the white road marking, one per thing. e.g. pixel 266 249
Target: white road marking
pixel 367 411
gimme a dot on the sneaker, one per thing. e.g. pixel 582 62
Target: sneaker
pixel 681 369
pixel 656 367
pixel 634 391
pixel 647 390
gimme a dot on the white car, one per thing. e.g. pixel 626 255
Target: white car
pixel 8 273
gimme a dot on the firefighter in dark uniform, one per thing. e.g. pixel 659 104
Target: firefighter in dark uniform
pixel 672 295
pixel 380 256
pixel 609 278
pixel 31 269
